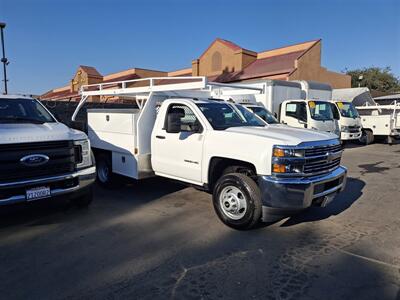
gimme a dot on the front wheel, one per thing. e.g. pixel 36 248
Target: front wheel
pixel 237 201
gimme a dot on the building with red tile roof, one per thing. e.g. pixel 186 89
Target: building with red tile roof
pixel 224 61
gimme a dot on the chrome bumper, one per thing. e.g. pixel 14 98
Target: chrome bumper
pixel 84 178
pixel 344 135
pixel 284 196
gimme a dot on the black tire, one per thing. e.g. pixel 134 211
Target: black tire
pixel 367 137
pixel 250 194
pixel 84 200
pixel 105 177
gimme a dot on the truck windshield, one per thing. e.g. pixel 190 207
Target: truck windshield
pixel 347 110
pixel 320 110
pixel 264 114
pixel 23 111
pixel 222 115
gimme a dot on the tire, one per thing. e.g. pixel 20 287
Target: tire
pixel 367 137
pixel 244 209
pixel 241 170
pixel 85 200
pixel 389 140
pixel 105 176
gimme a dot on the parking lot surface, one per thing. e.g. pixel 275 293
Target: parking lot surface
pixel 160 240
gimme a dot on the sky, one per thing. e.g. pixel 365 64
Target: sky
pixel 46 40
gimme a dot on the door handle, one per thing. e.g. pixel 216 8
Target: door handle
pixel 160 137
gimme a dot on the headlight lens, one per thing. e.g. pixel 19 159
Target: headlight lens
pixel 82 154
pixel 288 152
pixel 344 128
pixel 286 160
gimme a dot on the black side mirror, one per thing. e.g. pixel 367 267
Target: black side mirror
pixel 174 123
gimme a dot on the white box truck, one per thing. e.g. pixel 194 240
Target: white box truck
pixel 284 99
pixel 183 132
pixel 344 113
pixel 378 121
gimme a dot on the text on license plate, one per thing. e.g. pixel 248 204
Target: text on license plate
pixel 38 193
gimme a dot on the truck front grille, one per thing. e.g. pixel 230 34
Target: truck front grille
pixel 322 150
pixel 61 160
pixel 321 159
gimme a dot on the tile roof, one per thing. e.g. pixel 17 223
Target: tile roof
pixel 275 65
pixel 91 71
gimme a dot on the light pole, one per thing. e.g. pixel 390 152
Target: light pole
pixel 4 60
pixel 360 78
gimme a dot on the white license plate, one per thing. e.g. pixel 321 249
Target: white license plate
pixel 38 193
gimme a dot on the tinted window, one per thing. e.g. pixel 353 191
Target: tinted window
pixel 297 110
pixel 264 114
pixel 320 110
pixel 23 111
pixel 347 109
pixel 222 115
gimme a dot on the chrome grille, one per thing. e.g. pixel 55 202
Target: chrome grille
pixel 322 150
pixel 321 166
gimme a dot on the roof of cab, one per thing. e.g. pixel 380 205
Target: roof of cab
pixel 14 96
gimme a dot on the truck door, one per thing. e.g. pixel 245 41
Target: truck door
pixel 177 147
pixel 294 113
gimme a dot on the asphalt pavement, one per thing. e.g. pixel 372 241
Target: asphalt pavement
pixel 157 239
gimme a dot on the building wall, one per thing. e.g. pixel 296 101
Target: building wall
pixel 216 59
pixel 309 68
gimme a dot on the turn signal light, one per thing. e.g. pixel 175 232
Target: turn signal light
pixel 277 168
pixel 279 152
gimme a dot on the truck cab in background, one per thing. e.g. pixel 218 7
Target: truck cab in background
pixel 284 100
pixel 348 118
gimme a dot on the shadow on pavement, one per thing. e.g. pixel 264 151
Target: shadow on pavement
pixel 343 201
pixel 59 210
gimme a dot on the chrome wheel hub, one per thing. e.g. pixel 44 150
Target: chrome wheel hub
pixel 233 202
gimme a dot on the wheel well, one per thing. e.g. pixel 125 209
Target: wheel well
pixel 97 152
pixel 219 164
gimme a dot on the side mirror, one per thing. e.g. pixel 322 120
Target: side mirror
pixel 303 123
pixel 174 123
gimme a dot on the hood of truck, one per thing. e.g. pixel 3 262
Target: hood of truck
pixel 26 133
pixel 284 134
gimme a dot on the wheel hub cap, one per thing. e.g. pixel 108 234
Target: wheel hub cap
pixel 233 202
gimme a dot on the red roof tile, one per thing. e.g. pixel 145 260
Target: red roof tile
pixel 269 66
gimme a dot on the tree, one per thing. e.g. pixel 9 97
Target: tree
pixel 375 78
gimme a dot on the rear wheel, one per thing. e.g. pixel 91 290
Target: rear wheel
pixel 105 176
pixel 237 201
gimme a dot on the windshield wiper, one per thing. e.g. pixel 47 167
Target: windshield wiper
pixel 21 119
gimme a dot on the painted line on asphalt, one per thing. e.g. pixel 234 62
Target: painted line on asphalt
pixel 368 258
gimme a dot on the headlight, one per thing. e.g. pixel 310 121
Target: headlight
pixel 83 157
pixel 344 128
pixel 279 151
pixel 286 160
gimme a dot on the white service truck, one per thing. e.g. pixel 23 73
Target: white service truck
pixel 40 157
pixel 378 121
pixel 182 131
pixel 284 100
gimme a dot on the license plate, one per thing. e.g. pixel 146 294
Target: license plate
pixel 38 193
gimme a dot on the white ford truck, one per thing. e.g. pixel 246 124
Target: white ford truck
pixel 40 157
pixel 255 171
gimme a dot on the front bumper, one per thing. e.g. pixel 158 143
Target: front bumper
pixel 283 197
pixel 344 136
pixel 71 183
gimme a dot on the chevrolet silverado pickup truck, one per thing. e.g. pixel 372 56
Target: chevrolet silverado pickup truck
pixel 255 171
pixel 40 157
